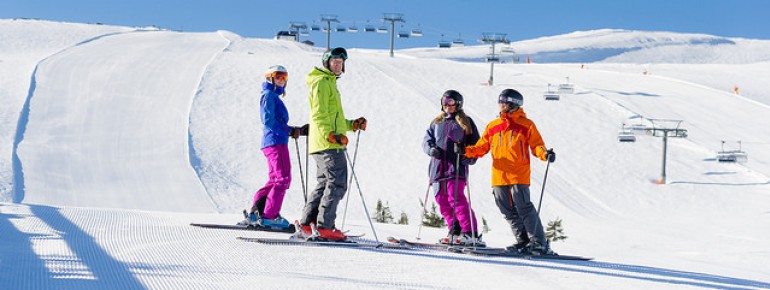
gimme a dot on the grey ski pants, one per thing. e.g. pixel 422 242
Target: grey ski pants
pixel 516 207
pixel 332 176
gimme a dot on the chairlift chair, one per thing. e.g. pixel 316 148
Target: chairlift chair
pixel 369 28
pixel 550 95
pixel 382 29
pixel 738 155
pixel 626 134
pixel 353 29
pixel 507 49
pixel 417 32
pixel 458 43
pixel 566 88
pixel 315 28
pixel 341 28
pixel 403 34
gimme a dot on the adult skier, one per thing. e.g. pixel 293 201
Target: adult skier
pixel 511 138
pixel 327 146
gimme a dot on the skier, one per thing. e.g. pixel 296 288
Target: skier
pixel 511 138
pixel 266 207
pixel 449 130
pixel 327 144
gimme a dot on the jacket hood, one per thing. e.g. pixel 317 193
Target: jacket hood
pixel 272 87
pixel 319 73
pixel 514 115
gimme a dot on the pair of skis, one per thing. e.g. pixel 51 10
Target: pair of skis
pixel 484 251
pixel 393 243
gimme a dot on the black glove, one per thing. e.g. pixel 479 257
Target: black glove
pixel 435 152
pixel 303 130
pixel 550 155
pixel 459 149
pixel 294 132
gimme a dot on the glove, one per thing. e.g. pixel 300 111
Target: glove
pixel 294 132
pixel 550 155
pixel 435 152
pixel 303 130
pixel 359 123
pixel 465 161
pixel 337 139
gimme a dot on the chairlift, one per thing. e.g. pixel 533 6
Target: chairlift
pixel 370 28
pixel 626 134
pixel 341 28
pixel 444 44
pixel 417 32
pixel 304 32
pixel 353 29
pixel 566 88
pixel 315 28
pixel 507 49
pixel 492 58
pixel 550 95
pixel 403 34
pixel 458 43
pixel 738 155
pixel 382 29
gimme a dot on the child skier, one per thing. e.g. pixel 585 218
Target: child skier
pixel 266 207
pixel 450 130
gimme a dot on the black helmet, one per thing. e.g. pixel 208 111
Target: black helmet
pixel 452 97
pixel 512 98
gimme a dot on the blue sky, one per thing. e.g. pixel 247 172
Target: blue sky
pixel 453 19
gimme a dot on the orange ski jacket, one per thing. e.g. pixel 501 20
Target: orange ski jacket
pixel 511 138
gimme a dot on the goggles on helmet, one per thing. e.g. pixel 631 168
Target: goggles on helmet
pixel 449 102
pixel 278 75
pixel 339 52
pixel 503 99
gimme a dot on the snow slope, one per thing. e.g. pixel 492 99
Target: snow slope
pixel 131 136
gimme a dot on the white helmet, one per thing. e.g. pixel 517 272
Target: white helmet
pixel 276 71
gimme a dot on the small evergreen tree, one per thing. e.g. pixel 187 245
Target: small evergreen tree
pixel 382 213
pixel 432 218
pixel 484 225
pixel 554 232
pixel 403 220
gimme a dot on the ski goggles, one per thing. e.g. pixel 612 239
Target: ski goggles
pixel 448 102
pixel 503 99
pixel 339 52
pixel 278 75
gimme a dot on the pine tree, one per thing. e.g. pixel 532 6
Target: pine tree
pixel 484 225
pixel 403 220
pixel 554 232
pixel 432 218
pixel 382 213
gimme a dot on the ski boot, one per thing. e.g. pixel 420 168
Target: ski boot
pixel 471 240
pixel 277 222
pixel 535 248
pixel 249 219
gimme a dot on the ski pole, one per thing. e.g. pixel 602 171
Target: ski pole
pixel 470 207
pixel 424 205
pixel 542 189
pixel 301 176
pixel 347 198
pixel 454 193
pixel 307 159
pixel 368 217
